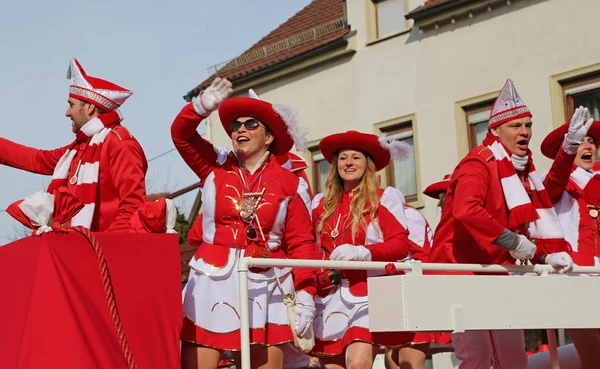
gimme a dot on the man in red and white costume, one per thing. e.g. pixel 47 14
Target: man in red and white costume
pixel 495 206
pixel 578 211
pixel 104 167
pixel 251 206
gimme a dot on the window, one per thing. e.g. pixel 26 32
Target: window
pixel 320 171
pixel 389 16
pixel 403 174
pixel 584 91
pixel 478 118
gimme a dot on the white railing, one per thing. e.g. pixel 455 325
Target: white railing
pixel 415 267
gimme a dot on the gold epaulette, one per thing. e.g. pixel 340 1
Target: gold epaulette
pixel 489 153
pixel 115 131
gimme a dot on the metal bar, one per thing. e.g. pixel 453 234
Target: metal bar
pixel 372 265
pixel 244 313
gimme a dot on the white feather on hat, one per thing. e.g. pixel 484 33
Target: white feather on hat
pixel 291 120
pixel 399 150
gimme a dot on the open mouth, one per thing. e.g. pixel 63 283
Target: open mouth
pixel 587 157
pixel 523 144
pixel 350 170
pixel 242 139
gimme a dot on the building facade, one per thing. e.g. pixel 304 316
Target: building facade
pixel 426 73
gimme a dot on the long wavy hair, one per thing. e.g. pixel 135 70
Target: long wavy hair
pixel 365 198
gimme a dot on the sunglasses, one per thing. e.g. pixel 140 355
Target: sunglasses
pixel 250 125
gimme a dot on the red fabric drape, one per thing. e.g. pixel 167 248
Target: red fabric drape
pixel 53 311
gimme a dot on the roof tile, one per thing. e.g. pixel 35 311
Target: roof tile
pixel 325 17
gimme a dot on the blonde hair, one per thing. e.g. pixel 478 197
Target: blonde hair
pixel 365 199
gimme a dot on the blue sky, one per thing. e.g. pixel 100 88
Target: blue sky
pixel 157 49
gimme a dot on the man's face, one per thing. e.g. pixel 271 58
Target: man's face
pixel 80 113
pixel 586 153
pixel 515 135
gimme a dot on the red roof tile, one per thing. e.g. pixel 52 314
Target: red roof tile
pixel 317 24
pixel 429 4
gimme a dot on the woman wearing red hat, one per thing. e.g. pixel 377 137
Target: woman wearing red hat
pixel 437 190
pixel 578 212
pixel 356 220
pixel 251 207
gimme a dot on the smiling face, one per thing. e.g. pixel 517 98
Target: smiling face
pixel 515 135
pixel 251 139
pixel 351 166
pixel 586 153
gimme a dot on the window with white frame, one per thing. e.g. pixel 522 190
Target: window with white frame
pixel 585 92
pixel 478 119
pixel 389 16
pixel 320 168
pixel 403 174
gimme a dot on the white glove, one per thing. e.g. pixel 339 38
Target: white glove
pixel 561 261
pixel 348 252
pixel 305 312
pixel 525 249
pixel 210 99
pixel 578 128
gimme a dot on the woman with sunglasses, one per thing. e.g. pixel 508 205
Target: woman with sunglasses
pixel 356 220
pixel 251 207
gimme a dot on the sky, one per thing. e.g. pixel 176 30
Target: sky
pixel 158 49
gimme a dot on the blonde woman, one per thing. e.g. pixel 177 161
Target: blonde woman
pixel 356 220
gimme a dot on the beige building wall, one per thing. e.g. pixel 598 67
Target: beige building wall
pixel 428 75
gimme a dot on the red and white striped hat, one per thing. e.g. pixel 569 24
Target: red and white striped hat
pixel 104 94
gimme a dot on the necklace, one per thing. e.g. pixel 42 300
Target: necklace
pixel 250 200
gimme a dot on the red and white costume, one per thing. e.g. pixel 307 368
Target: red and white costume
pixel 486 196
pixel 578 205
pixel 104 167
pixel 211 296
pixel 343 312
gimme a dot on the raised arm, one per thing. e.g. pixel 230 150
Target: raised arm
pixel 29 159
pixel 198 153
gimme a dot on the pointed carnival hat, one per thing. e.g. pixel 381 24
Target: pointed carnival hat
pixel 104 94
pixel 435 189
pixel 294 163
pixel 508 106
pixel 281 119
pixel 377 147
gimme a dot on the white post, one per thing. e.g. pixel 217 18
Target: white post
pixel 243 266
pixel 554 363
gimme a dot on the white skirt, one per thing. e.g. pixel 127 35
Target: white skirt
pixel 211 305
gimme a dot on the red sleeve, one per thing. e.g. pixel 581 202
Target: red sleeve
pixel 300 241
pixel 28 158
pixel 128 170
pixel 198 153
pixel 395 238
pixel 558 177
pixel 468 207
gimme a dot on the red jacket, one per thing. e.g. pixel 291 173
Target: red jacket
pixel 475 212
pixel 386 236
pixel 121 182
pixel 283 214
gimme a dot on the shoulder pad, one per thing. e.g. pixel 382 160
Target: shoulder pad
pixel 486 153
pixel 122 133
